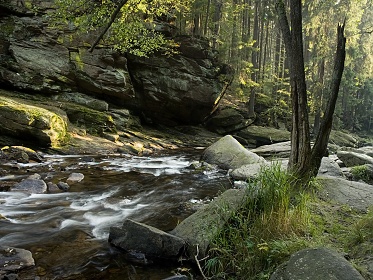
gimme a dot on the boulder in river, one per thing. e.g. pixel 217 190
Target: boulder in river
pixel 14 259
pixel 143 239
pixel 316 264
pixel 228 153
pixel 30 186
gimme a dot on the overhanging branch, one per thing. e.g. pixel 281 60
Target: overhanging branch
pixel 112 18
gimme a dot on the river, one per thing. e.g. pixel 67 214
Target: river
pixel 67 232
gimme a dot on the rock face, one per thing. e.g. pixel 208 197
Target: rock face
pixel 185 87
pixel 41 59
pixel 316 264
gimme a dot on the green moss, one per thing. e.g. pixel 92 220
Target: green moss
pixel 95 122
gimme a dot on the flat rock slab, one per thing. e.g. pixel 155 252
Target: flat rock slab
pixel 316 264
pixel 357 195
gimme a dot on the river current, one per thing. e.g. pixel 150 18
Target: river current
pixel 67 232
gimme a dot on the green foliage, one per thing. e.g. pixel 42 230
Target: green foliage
pixel 133 30
pixel 361 172
pixel 263 234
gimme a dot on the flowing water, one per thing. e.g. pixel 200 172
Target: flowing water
pixel 67 232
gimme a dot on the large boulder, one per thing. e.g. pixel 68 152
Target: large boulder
pixel 342 139
pixel 25 121
pixel 140 238
pixel 228 153
pixel 350 158
pixel 200 229
pixel 316 264
pixel 183 88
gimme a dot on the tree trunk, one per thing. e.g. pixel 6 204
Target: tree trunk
pixel 300 136
pixel 303 161
pixel 321 143
pixel 254 60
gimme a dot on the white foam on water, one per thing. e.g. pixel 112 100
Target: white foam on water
pixel 69 223
pixel 101 222
pixel 157 166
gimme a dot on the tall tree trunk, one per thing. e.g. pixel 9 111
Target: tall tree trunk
pixel 218 5
pixel 300 136
pixel 321 142
pixel 303 161
pixel 254 60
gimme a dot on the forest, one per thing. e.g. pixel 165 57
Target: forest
pixel 246 35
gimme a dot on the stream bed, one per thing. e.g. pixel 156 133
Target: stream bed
pixel 67 231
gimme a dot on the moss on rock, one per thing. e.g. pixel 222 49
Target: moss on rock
pixel 26 121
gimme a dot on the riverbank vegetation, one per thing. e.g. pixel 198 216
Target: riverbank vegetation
pixel 278 220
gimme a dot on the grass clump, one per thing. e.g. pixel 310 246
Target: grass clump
pixel 272 225
pixel 361 172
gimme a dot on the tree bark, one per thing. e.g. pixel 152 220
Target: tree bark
pixel 321 142
pixel 300 137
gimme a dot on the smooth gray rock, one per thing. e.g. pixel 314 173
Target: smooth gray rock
pixel 15 259
pixel 150 241
pixel 63 186
pixel 353 159
pixel 316 264
pixel 247 171
pixel 278 150
pixel 356 195
pixel 30 186
pixel 330 167
pixel 75 178
pixel 228 153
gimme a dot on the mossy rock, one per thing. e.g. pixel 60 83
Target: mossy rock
pixel 28 122
pixel 95 122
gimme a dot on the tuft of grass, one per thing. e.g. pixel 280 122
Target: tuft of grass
pixel 361 172
pixel 273 224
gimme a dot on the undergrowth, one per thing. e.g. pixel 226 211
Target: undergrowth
pixel 273 224
pixel 279 219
